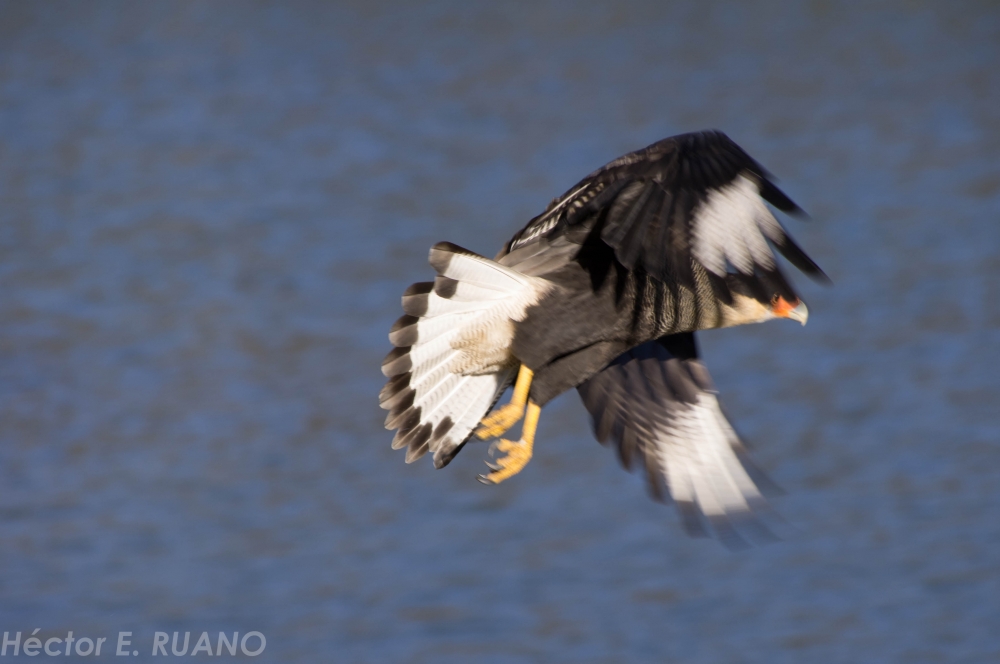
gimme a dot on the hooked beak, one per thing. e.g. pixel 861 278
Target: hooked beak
pixel 782 308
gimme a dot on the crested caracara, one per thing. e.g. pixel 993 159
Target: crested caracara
pixel 603 292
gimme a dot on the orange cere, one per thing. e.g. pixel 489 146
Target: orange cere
pixel 781 307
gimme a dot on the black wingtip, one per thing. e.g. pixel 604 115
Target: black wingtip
pixel 818 275
pixel 797 257
pixel 770 193
pixel 726 533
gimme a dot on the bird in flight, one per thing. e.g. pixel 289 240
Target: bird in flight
pixel 603 292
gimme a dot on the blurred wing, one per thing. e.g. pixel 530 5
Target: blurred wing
pixel 690 198
pixel 658 405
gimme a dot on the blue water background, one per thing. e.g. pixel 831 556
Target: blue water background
pixel 208 212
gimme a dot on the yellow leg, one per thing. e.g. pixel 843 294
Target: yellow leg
pixel 518 453
pixel 507 416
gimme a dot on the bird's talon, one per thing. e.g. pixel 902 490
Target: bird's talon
pixel 517 457
pixel 504 445
pixel 500 421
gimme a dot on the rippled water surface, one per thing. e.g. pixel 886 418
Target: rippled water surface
pixel 208 212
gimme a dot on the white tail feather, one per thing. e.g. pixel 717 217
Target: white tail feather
pixel 453 359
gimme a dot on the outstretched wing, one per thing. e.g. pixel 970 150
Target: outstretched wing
pixel 658 405
pixel 690 198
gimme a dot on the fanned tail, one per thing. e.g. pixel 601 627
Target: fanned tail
pixel 451 360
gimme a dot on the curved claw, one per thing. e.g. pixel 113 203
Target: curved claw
pixel 517 457
pixel 518 453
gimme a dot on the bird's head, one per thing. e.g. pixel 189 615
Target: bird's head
pixel 796 310
pixel 750 307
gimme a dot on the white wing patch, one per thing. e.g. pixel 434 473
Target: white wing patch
pixel 732 224
pixel 696 454
pixel 662 409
